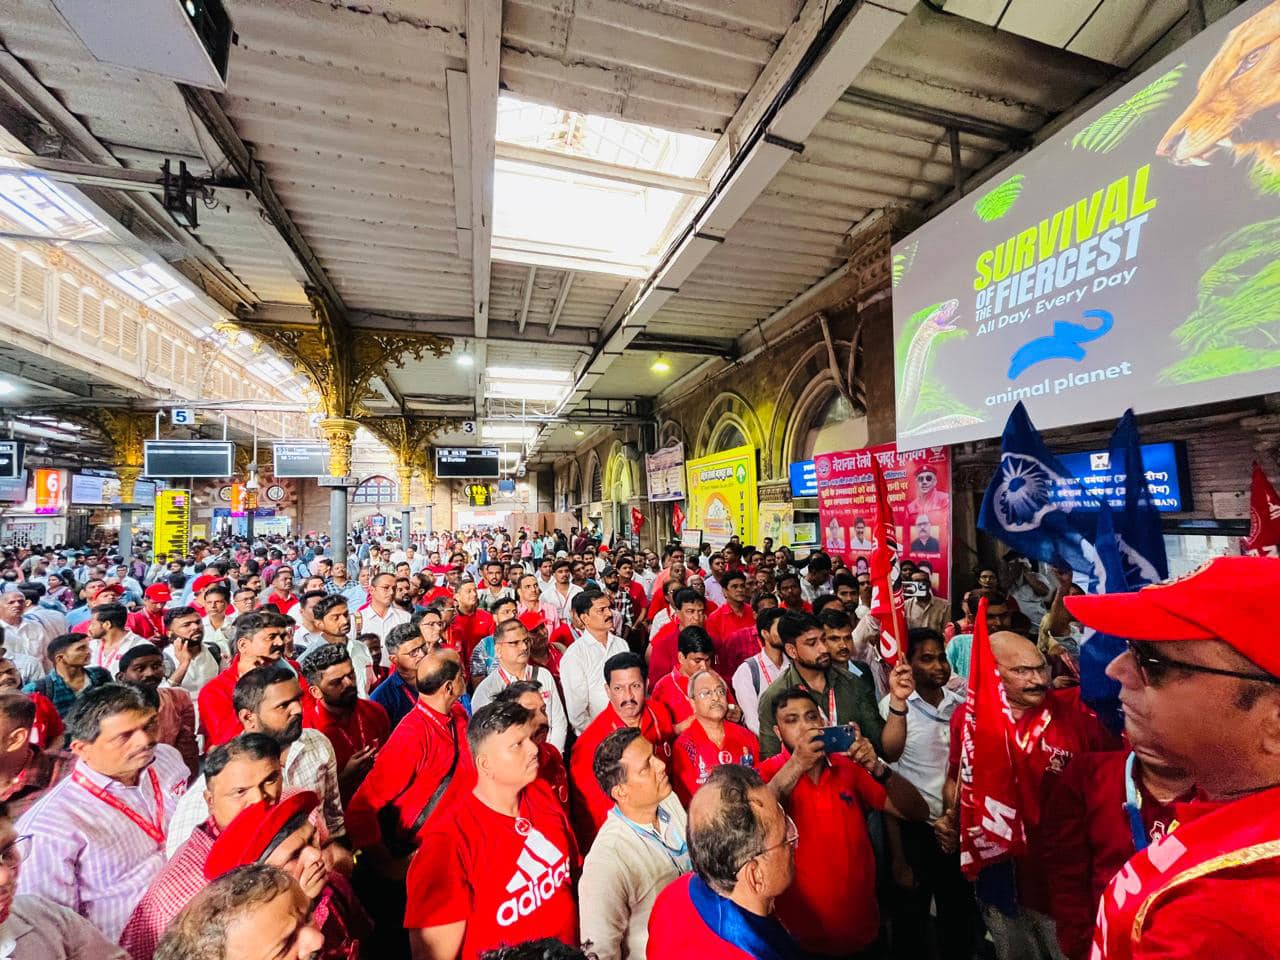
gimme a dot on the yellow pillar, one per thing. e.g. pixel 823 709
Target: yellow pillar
pixel 128 474
pixel 339 432
pixel 404 474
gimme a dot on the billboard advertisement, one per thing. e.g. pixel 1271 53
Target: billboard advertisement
pixel 1129 260
pixel 919 487
pixel 775 524
pixel 49 491
pixel 722 496
pixel 664 474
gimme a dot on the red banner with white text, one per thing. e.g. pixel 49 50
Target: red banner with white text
pixel 919 490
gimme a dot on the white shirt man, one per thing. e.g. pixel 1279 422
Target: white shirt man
pixel 924 758
pixel 751 679
pixel 582 667
pixel 498 679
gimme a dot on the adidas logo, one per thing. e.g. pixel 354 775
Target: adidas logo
pixel 541 871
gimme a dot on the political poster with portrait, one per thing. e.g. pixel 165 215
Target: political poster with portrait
pixel 919 488
pixel 723 500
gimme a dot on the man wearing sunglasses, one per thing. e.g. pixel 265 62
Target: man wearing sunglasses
pixel 1201 680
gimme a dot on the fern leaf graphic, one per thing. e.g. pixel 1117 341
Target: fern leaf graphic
pixel 998 201
pixel 1110 130
pixel 902 262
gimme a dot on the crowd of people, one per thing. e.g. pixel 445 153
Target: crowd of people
pixel 486 744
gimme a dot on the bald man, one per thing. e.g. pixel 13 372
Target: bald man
pixel 724 909
pixel 1052 727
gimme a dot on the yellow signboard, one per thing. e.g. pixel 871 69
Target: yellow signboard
pixel 775 522
pixel 722 495
pixel 173 522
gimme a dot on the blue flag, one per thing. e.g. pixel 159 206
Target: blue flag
pixel 1031 500
pixel 1130 554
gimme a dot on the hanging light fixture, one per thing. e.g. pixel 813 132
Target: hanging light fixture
pixel 660 365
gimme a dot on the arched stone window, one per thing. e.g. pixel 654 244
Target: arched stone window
pixel 376 489
pixel 833 424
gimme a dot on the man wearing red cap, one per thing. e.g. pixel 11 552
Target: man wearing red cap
pixel 237 775
pixel 284 835
pixel 1201 679
pixel 624 683
pixel 511 646
pixel 502 871
pixel 148 622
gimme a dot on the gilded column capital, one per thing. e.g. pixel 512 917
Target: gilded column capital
pixel 339 432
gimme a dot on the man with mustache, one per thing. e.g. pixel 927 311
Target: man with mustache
pixel 1052 727
pixel 175 714
pixel 712 739
pixel 269 700
pixel 237 775
pixel 356 728
pixel 259 640
pixel 98 836
pixel 624 685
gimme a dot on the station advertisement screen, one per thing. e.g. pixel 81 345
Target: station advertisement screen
pixel 189 458
pixel 467 463
pixel 301 458
pixel 1129 260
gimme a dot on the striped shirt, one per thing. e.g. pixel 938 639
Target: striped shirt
pixel 91 857
pixel 309 764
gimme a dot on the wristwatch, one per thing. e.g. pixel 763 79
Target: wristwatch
pixel 883 772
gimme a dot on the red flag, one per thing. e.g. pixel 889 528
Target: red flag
pixel 886 581
pixel 1264 515
pixel 637 520
pixel 677 518
pixel 991 824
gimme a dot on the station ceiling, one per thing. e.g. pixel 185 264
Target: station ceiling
pixel 567 188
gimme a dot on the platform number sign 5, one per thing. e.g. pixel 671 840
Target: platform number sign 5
pixel 182 417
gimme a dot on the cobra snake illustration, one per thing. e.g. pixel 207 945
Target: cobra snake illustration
pixel 940 320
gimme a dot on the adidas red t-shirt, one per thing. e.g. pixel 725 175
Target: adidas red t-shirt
pixel 477 867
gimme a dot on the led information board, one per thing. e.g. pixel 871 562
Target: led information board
pixel 804 479
pixel 1165 466
pixel 173 522
pixel 189 458
pixel 10 459
pixel 467 462
pixel 300 458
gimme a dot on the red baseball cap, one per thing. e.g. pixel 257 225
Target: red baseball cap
pixel 158 592
pixel 1229 599
pixel 247 836
pixel 116 588
pixel 204 580
pixel 532 619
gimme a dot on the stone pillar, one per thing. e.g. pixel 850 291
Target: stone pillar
pixel 128 474
pixel 406 531
pixel 338 523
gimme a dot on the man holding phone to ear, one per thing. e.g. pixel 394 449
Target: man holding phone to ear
pixel 830 907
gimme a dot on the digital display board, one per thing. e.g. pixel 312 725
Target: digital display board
pixel 804 479
pixel 189 458
pixel 300 458
pixel 467 462
pixel 1129 260
pixel 11 459
pixel 1165 466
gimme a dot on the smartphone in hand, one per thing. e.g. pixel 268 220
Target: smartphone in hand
pixel 838 739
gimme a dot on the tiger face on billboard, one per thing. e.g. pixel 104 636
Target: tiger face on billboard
pixel 1235 110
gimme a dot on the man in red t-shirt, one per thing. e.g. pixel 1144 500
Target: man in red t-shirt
pixel 736 614
pixel 713 738
pixel 355 727
pixel 690 611
pixel 470 624
pixel 828 796
pixel 551 768
pixel 624 682
pixel 1201 677
pixel 694 653
pixel 1087 832
pixel 148 622
pixel 281 596
pixel 259 640
pixel 502 870
pixel 724 910
pixel 1052 727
